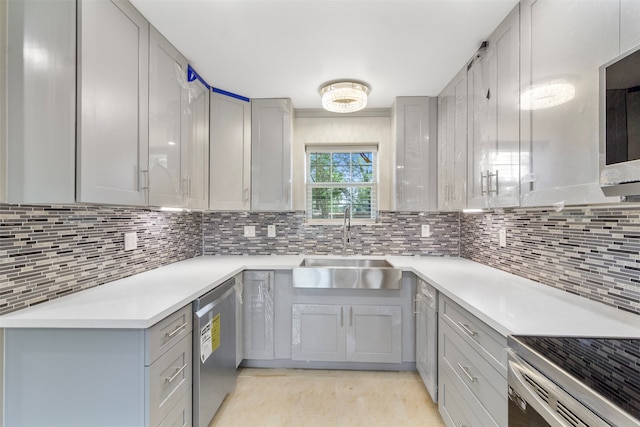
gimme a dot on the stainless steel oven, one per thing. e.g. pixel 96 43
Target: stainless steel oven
pixel 542 393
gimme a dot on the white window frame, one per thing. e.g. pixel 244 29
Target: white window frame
pixel 342 148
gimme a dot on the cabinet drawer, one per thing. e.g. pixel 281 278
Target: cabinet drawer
pixel 180 415
pixel 489 387
pixel 430 293
pixel 166 333
pixel 485 340
pixel 457 405
pixel 168 379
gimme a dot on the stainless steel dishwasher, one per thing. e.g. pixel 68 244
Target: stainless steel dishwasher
pixel 214 351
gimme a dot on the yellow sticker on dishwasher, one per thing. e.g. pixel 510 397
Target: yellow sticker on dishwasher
pixel 215 333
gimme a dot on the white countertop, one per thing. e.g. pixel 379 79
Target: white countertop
pixel 508 303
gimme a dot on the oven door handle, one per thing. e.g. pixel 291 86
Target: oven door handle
pixel 518 368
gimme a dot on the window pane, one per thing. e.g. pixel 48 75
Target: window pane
pixel 342 168
pixel 361 202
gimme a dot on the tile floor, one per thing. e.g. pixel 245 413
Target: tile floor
pixel 301 398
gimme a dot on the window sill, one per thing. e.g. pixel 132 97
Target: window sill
pixel 340 222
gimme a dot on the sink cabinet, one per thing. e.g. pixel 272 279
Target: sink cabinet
pixel 119 377
pixel 346 333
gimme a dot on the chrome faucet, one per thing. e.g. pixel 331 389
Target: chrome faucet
pixel 346 229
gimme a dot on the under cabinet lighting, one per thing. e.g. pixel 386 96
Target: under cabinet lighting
pixel 472 211
pixel 166 209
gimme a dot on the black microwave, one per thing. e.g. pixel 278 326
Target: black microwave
pixel 620 125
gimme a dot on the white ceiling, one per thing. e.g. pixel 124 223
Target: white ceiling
pixel 288 48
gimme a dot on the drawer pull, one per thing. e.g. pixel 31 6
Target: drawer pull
pixel 178 329
pixel 176 374
pixel 466 372
pixel 467 330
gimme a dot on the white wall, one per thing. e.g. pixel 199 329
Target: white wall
pixel 341 130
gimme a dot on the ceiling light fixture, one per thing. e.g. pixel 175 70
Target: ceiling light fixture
pixel 344 96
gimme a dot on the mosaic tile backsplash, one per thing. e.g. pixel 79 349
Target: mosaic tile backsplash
pixel 50 251
pixel 592 252
pixel 395 233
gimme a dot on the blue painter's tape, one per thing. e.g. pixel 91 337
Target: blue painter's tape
pixel 192 75
pixel 232 95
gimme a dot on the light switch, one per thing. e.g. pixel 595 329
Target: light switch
pixel 271 230
pixel 130 241
pixel 249 231
pixel 426 230
pixel 502 234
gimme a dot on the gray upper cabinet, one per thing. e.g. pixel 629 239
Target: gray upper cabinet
pixel 168 98
pixel 452 144
pixel 41 95
pixel 113 104
pixel 493 119
pixel 195 151
pixel 271 167
pixel 230 177
pixel 629 24
pixel 563 45
pixel 414 123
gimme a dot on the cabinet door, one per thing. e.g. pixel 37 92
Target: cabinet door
pixel 563 45
pixel 494 125
pixel 195 153
pixel 452 144
pixel 41 91
pixel 167 121
pixel 416 158
pixel 258 315
pixel 318 332
pixel 374 334
pixel 230 176
pixel 271 168
pixel 239 287
pixel 113 104
pixel 629 25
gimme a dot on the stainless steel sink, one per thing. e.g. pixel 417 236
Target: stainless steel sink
pixel 346 273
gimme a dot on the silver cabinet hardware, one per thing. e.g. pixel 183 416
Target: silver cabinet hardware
pixel 176 374
pixel 466 372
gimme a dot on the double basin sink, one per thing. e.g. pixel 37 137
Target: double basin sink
pixel 346 273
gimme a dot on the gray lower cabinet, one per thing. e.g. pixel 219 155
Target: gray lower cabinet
pixel 472 369
pixel 115 377
pixel 347 333
pixel 258 307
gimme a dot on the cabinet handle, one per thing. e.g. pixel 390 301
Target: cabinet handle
pixel 466 372
pixel 496 176
pixel 175 331
pixel 467 330
pixel 189 186
pixel 341 316
pixel 415 306
pixel 350 317
pixel 246 195
pixel 459 424
pixel 176 374
pixel 482 179
pixel 145 174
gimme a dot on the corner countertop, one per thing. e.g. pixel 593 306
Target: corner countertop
pixel 508 303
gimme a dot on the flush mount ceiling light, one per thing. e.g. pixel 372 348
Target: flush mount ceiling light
pixel 344 96
pixel 547 95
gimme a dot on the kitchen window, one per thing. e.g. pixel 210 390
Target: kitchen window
pixel 338 177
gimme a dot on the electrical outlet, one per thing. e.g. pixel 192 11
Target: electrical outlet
pixel 271 230
pixel 249 231
pixel 426 230
pixel 502 235
pixel 130 241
